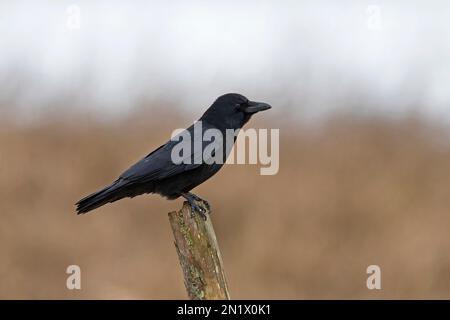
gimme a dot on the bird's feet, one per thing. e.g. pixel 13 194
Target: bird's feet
pixel 197 209
pixel 205 203
pixel 194 201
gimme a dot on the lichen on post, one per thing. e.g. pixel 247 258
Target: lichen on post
pixel 199 255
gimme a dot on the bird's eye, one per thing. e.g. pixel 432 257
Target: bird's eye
pixel 241 106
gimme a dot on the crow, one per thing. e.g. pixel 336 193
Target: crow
pixel 159 173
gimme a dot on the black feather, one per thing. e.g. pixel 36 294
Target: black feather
pixel 157 173
pixel 97 199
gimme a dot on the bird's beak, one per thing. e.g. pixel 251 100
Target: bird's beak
pixel 254 107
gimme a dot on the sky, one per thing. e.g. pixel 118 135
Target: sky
pixel 313 57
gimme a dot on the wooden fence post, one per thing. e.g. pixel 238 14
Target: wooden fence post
pixel 199 255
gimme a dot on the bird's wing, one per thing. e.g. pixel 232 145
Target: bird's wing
pixel 159 165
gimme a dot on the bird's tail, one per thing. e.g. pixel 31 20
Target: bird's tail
pixel 97 199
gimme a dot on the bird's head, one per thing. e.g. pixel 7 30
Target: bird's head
pixel 232 111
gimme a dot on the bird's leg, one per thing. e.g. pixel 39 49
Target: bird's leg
pixel 197 198
pixel 192 200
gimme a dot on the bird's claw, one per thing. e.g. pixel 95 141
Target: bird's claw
pixel 195 208
pixel 205 203
pixel 197 204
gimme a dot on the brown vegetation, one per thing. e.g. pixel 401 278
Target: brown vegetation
pixel 349 193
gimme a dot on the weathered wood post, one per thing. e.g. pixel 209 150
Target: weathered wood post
pixel 198 251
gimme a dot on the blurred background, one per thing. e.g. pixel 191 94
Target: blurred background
pixel 359 92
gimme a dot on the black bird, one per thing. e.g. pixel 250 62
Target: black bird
pixel 158 173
